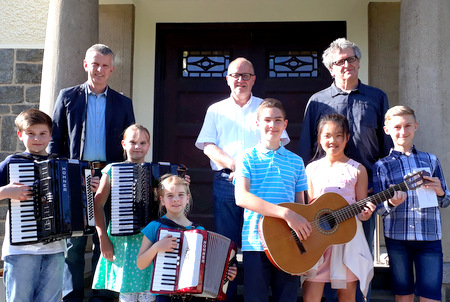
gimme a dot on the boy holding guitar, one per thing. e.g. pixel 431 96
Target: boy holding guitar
pixel 269 174
pixel 412 228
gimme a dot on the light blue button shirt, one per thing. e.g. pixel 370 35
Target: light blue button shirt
pixel 95 144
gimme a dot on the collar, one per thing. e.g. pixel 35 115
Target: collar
pixel 338 91
pixel 249 102
pixel 89 91
pixel 396 154
pixel 282 150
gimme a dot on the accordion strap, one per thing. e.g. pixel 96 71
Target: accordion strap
pixel 173 224
pixel 33 157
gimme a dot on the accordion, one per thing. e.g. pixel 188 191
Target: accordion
pixel 198 266
pixel 62 204
pixel 133 198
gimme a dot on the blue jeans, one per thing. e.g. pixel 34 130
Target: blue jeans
pixel 73 282
pixel 228 217
pixel 35 278
pixel 260 275
pixel 422 257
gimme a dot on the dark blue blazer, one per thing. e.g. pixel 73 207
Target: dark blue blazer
pixel 69 123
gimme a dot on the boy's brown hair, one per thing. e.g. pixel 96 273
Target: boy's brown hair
pixel 32 117
pixel 270 103
pixel 398 111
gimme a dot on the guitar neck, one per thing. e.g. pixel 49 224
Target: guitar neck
pixel 356 208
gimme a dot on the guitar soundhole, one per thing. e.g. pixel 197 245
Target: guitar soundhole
pixel 325 222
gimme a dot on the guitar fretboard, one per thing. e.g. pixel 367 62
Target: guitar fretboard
pixel 411 182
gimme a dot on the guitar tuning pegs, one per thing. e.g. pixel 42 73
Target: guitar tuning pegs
pixel 425 173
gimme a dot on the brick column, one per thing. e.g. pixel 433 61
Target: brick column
pixel 72 28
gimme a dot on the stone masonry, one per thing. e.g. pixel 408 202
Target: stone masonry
pixel 20 82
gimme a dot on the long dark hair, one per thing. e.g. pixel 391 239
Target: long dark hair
pixel 340 120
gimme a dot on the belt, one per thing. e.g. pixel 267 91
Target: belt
pixel 225 173
pixel 98 164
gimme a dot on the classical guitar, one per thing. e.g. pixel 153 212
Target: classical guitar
pixel 332 220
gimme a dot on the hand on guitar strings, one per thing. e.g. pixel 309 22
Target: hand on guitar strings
pixel 368 210
pixel 398 198
pixel 299 224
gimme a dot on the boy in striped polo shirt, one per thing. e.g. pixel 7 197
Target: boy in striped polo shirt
pixel 266 175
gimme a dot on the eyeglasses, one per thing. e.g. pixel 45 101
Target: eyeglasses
pixel 244 76
pixel 349 60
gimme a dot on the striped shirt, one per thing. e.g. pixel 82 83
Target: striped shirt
pixel 275 176
pixel 407 221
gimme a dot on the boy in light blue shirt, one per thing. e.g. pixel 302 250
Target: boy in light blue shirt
pixel 269 174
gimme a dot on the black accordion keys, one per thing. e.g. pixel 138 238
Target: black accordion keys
pixel 133 203
pixel 62 204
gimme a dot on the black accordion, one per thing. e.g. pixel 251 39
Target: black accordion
pixel 62 204
pixel 133 203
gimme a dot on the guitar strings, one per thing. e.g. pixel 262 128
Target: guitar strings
pixel 334 218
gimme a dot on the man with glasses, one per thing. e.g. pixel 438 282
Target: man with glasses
pixel 363 105
pixel 229 128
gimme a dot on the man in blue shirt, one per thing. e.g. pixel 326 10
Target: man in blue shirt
pixel 88 123
pixel 363 105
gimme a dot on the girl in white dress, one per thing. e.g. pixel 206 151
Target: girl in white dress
pixel 342 265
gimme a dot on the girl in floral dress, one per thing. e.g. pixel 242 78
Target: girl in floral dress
pixel 117 269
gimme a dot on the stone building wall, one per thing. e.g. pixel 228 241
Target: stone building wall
pixel 20 82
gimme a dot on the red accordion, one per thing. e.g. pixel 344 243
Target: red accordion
pixel 198 266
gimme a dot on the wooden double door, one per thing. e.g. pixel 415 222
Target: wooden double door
pixel 191 63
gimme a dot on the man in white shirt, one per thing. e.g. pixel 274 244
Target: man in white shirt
pixel 229 128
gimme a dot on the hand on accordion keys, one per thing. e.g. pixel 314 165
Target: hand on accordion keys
pixel 167 244
pixel 17 191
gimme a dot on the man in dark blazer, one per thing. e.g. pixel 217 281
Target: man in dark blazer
pixel 88 124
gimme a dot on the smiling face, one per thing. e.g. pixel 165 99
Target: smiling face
pixel 401 128
pixel 240 89
pixel 136 145
pixel 98 67
pixel 333 140
pixel 175 199
pixel 347 71
pixel 271 123
pixel 35 138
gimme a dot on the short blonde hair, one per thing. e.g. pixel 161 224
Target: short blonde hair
pixel 398 111
pixel 175 180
